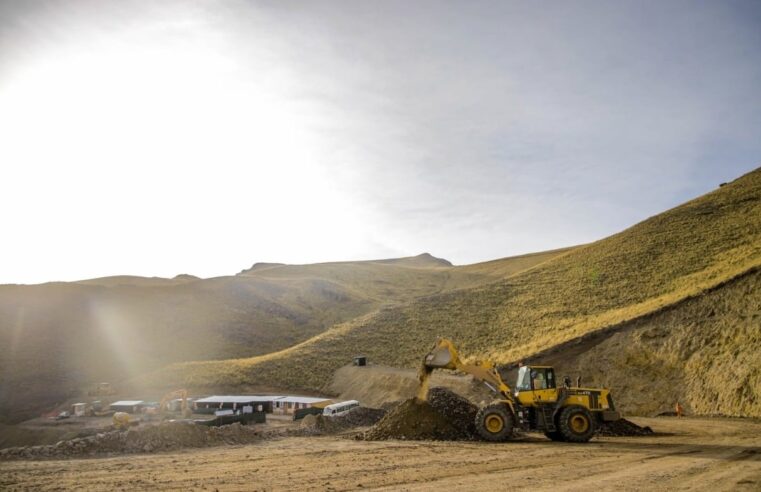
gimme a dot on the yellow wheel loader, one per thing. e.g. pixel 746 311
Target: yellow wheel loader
pixel 539 402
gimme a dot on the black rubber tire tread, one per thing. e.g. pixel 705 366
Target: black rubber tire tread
pixel 555 436
pixel 504 411
pixel 565 424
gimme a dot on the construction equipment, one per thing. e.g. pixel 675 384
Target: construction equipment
pixel 121 420
pixel 562 412
pixel 102 389
pixel 179 394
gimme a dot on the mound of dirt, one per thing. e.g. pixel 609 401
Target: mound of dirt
pixel 356 417
pixel 390 405
pixel 377 385
pixel 162 437
pixel 445 417
pixel 623 427
pixel 459 411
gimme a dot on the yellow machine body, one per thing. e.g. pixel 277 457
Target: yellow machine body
pixel 121 420
pixel 539 402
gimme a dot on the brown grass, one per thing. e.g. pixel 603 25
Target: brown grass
pixel 655 263
pixel 703 353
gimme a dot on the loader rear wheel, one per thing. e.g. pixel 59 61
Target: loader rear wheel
pixel 495 422
pixel 576 424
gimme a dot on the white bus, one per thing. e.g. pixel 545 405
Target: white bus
pixel 339 408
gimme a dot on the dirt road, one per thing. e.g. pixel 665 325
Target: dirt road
pixel 698 454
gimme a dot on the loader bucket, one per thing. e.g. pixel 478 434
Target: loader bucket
pixel 441 356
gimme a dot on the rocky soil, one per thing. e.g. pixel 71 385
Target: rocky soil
pixel 460 411
pixel 683 454
pixel 357 417
pixel 445 417
pixel 623 427
pixel 162 437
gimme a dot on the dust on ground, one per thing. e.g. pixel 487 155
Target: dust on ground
pixel 162 437
pixel 684 454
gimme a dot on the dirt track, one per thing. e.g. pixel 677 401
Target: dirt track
pixel 703 454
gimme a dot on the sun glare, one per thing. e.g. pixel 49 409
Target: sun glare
pixel 165 141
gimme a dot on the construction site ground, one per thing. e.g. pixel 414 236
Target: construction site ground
pixel 687 453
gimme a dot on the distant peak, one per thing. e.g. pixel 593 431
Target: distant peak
pixel 424 260
pixel 428 257
pixel 260 266
pixel 186 276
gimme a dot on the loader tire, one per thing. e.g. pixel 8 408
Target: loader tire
pixel 576 424
pixel 555 436
pixel 495 422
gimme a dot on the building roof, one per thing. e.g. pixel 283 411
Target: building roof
pixel 238 399
pixel 127 403
pixel 300 399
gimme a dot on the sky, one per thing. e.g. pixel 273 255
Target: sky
pixel 159 138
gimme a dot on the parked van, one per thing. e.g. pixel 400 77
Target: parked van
pixel 339 408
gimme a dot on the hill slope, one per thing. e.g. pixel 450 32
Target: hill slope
pixel 58 337
pixel 656 263
pixel 702 352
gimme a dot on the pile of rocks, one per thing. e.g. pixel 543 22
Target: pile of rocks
pixel 623 427
pixel 162 437
pixel 445 417
pixel 356 417
pixel 460 411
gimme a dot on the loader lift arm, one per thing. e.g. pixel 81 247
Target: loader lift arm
pixel 444 355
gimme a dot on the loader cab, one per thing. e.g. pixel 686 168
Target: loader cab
pixel 536 384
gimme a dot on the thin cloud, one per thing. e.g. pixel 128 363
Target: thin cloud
pixel 303 131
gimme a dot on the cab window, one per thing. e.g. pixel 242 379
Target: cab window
pixel 542 378
pixel 524 379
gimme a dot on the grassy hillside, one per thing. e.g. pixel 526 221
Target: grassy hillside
pixel 656 263
pixel 58 337
pixel 384 281
pixel 501 268
pixel 703 352
pixel 131 280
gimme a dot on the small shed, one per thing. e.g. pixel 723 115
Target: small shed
pixel 127 406
pixel 360 360
pixel 78 409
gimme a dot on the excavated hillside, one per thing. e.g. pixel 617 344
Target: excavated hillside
pixel 657 263
pixel 703 352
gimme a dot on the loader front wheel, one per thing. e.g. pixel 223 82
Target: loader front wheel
pixel 495 422
pixel 576 424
